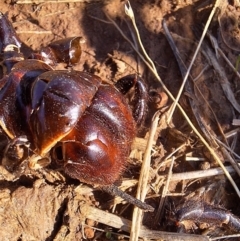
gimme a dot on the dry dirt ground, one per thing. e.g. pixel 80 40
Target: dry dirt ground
pixel 46 204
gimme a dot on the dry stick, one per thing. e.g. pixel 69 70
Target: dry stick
pixel 189 90
pixel 216 5
pixel 236 122
pixel 125 225
pixel 232 132
pixel 34 31
pixel 200 174
pixel 230 159
pixel 143 180
pixel 180 108
pixel 234 143
pixel 227 148
pixel 226 237
pixel 115 191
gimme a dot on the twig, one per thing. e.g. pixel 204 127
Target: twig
pixel 226 237
pixel 231 160
pixel 143 180
pixel 194 159
pixel 227 148
pixel 198 174
pixel 236 122
pixel 201 174
pixel 34 31
pixel 115 191
pixel 232 133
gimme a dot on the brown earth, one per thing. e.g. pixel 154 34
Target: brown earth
pixel 46 204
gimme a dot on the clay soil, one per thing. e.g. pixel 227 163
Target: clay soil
pixel 46 204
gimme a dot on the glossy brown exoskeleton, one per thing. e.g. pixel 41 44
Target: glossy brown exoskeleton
pixel 202 212
pixel 75 118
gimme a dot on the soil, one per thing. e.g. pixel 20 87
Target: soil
pixel 45 204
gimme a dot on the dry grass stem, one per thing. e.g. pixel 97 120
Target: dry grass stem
pixel 143 180
pixel 195 159
pixel 226 237
pixel 236 122
pixel 200 174
pixel 130 14
pixel 228 148
pixel 34 32
pixel 232 133
pixel 233 146
pixel 231 160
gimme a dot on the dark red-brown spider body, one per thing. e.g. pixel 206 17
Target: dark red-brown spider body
pixel 90 120
pixel 85 123
pixel 81 123
pixel 101 139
